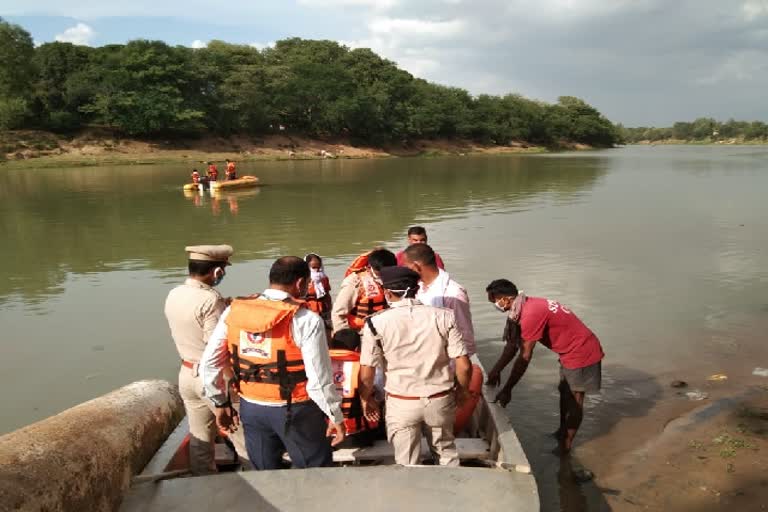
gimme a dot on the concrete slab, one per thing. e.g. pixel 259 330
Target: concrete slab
pixel 374 488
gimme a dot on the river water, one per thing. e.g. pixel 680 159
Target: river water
pixel 662 251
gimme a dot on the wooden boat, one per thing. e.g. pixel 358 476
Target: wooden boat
pixel 494 475
pixel 239 183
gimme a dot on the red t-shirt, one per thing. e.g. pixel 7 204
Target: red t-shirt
pixel 401 260
pixel 561 331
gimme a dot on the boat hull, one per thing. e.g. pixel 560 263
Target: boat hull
pixel 238 184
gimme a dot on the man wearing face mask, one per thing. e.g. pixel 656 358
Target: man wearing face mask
pixel 532 320
pixel 318 297
pixel 277 350
pixel 361 294
pixel 437 288
pixel 414 344
pixel 193 310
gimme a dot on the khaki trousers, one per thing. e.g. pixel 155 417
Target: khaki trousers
pixel 202 425
pixel 407 420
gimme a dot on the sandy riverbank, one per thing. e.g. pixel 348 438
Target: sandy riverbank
pixel 687 455
pixel 703 142
pixel 43 149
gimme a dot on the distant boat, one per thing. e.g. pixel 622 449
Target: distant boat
pixel 242 182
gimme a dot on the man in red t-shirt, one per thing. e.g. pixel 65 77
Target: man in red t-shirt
pixel 531 320
pixel 417 235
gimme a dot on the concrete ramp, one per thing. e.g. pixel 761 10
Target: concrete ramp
pixel 373 488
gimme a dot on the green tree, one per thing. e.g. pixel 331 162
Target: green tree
pixel 144 89
pixel 16 74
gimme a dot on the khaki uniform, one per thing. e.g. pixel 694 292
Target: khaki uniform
pixel 193 310
pixel 345 301
pixel 415 345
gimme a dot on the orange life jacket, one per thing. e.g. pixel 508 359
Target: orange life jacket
pixel 267 363
pixel 346 377
pixel 370 299
pixel 213 172
pixel 230 172
pixel 360 263
pixel 313 303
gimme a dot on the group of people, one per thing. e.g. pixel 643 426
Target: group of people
pixel 212 173
pixel 291 370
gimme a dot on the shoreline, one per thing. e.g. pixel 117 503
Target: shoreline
pixel 37 149
pixel 687 454
pixel 705 142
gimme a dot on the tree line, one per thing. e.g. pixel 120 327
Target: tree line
pixel 306 87
pixel 704 129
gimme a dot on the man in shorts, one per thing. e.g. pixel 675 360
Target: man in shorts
pixel 546 321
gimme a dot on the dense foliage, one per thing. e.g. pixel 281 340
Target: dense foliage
pixel 314 88
pixel 704 129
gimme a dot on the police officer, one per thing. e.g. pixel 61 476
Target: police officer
pixel 193 310
pixel 415 344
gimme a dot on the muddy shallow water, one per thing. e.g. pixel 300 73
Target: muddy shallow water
pixel 662 251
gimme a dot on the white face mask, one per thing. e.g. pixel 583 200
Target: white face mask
pixel 499 308
pixel 316 275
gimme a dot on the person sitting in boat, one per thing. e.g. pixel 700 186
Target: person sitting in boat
pixel 437 288
pixel 230 173
pixel 318 297
pixel 200 181
pixel 345 359
pixel 277 350
pixel 417 235
pixel 361 294
pixel 414 344
pixel 548 322
pixel 213 172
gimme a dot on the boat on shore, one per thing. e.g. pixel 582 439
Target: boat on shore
pixel 494 475
pixel 236 184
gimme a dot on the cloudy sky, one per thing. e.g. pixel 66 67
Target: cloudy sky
pixel 641 62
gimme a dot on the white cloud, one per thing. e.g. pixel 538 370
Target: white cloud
pixel 753 9
pixel 404 27
pixel 80 34
pixel 262 46
pixel 327 4
pixel 197 44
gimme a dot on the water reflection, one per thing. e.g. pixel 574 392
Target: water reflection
pixel 100 219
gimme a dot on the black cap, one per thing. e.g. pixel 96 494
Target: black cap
pixel 398 278
pixel 346 339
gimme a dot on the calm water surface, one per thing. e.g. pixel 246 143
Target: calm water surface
pixel 663 251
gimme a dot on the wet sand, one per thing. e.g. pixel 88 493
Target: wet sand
pixel 686 455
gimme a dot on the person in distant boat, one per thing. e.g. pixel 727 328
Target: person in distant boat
pixel 345 359
pixel 193 310
pixel 417 235
pixel 195 177
pixel 213 172
pixel 318 297
pixel 230 173
pixel 361 294
pixel 437 288
pixel 414 344
pixel 277 350
pixel 545 321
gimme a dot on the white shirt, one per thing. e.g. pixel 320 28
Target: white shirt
pixel 308 331
pixel 444 292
